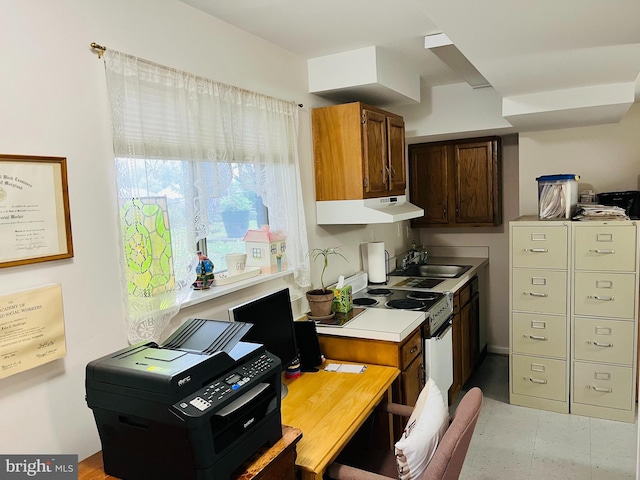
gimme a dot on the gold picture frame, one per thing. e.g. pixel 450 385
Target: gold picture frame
pixel 35 223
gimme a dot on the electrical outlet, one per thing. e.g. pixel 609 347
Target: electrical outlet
pixel 407 232
pixel 399 230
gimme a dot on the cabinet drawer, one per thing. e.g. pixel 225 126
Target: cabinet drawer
pixel 411 349
pixel 605 247
pixel 603 385
pixel 603 340
pixel 605 294
pixel 539 377
pixel 544 335
pixel 539 291
pixel 540 247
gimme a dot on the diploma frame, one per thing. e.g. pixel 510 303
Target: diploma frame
pixel 62 221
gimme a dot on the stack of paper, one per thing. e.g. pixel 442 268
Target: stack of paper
pixel 552 199
pixel 600 212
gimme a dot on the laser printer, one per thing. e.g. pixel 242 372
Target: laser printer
pixel 195 407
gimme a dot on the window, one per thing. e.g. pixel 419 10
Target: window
pixel 212 161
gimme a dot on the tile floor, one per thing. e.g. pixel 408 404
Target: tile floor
pixel 512 442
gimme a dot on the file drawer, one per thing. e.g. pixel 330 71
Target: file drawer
pixel 603 340
pixel 605 294
pixel 544 335
pixel 539 247
pixel 539 377
pixel 605 247
pixel 603 385
pixel 539 291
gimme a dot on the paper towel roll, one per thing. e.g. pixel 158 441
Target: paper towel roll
pixel 376 260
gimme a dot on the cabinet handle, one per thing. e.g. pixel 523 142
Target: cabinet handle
pixel 598 297
pixel 393 172
pixel 536 250
pixel 598 344
pixel 536 294
pixel 602 390
pixel 413 350
pixel 602 251
pixel 535 337
pixel 537 380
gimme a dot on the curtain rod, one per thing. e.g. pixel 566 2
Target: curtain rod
pixel 99 49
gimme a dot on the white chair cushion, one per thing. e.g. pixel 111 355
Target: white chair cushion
pixel 425 428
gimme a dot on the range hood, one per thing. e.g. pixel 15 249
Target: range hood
pixel 370 210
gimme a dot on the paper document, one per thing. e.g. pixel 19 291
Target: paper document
pixel 345 368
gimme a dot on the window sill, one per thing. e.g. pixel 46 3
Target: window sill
pixel 200 296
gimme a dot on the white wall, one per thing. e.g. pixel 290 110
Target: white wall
pixel 53 102
pixel 607 157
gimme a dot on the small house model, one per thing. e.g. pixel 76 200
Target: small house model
pixel 266 249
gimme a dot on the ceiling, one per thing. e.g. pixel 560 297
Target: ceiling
pixel 553 58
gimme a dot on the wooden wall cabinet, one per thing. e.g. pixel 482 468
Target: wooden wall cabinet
pixel 359 152
pixel 466 335
pixel 457 183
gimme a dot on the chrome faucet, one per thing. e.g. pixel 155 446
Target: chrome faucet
pixel 415 256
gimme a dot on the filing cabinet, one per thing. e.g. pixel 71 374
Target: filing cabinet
pixel 574 316
pixel 539 314
pixel 604 319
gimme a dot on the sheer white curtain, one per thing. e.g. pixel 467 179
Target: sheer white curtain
pixel 165 120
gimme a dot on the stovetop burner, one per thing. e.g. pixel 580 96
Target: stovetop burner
pixel 405 304
pixel 365 302
pixel 379 292
pixel 423 295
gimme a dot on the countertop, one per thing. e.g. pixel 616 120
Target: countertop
pixel 396 325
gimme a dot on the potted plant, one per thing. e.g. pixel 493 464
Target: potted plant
pixel 235 209
pixel 321 299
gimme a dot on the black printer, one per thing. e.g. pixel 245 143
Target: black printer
pixel 195 407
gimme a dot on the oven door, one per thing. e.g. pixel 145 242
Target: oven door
pixel 438 358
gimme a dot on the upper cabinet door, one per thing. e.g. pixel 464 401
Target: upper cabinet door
pixel 428 183
pixel 475 170
pixel 396 159
pixel 374 141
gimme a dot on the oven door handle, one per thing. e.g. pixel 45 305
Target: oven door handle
pixel 444 329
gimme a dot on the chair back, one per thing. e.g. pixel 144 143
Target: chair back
pixel 448 459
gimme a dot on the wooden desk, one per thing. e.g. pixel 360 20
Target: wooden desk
pixel 273 463
pixel 329 407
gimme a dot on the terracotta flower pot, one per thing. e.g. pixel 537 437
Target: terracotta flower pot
pixel 320 302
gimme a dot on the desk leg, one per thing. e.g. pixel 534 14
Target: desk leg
pixel 390 420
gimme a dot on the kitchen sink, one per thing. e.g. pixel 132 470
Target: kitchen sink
pixel 429 270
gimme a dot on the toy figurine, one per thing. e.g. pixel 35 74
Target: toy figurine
pixel 204 272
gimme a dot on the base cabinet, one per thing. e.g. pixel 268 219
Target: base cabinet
pixel 466 335
pixel 574 316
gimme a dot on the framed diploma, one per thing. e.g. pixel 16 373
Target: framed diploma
pixel 35 224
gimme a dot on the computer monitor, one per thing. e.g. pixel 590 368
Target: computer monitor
pixel 272 321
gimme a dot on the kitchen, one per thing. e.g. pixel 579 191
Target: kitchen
pixel 65 114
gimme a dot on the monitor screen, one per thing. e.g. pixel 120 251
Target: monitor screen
pixel 272 321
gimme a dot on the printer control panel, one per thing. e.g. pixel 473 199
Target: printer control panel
pixel 216 392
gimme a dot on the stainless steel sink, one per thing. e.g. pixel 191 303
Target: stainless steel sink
pixel 437 271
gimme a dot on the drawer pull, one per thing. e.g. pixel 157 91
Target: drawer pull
pixel 536 250
pixel 598 344
pixel 602 390
pixel 535 337
pixel 413 350
pixel 602 251
pixel 536 294
pixel 537 380
pixel 599 297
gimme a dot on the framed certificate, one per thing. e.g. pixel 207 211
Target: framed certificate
pixel 35 224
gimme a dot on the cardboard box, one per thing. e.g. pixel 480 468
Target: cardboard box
pixel 343 299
